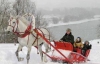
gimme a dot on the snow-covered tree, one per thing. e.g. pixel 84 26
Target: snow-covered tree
pixel 4 13
pixel 40 21
pixel 4 16
pixel 24 6
pixel 38 18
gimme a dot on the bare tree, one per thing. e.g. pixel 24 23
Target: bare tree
pixel 41 21
pixel 38 18
pixel 4 15
pixel 24 6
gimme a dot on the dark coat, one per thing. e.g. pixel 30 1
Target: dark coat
pixel 86 47
pixel 68 38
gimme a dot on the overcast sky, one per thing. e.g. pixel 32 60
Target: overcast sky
pixel 49 4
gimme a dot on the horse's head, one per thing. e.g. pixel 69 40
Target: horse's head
pixel 12 24
pixel 16 23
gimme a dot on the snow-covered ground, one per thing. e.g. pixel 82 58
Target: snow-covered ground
pixel 7 54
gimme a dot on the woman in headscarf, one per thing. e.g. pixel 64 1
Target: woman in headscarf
pixel 78 43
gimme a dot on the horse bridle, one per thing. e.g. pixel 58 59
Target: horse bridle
pixel 15 30
pixel 16 23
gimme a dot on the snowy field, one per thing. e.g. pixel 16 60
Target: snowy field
pixel 7 54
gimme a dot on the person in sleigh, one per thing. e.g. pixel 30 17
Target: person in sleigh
pixel 86 46
pixel 68 37
pixel 78 44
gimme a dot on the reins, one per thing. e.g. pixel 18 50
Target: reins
pixel 21 34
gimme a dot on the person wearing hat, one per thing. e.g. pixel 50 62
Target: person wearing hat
pixel 68 37
pixel 86 46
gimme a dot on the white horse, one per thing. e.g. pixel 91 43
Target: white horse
pixel 27 36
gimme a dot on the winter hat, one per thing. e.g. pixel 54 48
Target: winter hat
pixel 68 30
pixel 86 41
pixel 79 38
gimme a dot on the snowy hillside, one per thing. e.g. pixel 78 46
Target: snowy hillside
pixel 74 22
pixel 7 54
pixel 86 29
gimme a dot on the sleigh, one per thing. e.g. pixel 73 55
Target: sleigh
pixel 63 52
pixel 67 49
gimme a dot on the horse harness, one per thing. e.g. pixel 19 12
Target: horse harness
pixel 37 37
pixel 27 32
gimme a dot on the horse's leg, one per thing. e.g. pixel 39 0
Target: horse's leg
pixel 28 54
pixel 40 50
pixel 43 56
pixel 47 48
pixel 18 49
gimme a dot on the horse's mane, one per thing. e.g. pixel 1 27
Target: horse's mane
pixel 23 19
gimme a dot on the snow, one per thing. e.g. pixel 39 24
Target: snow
pixel 58 55
pixel 7 54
